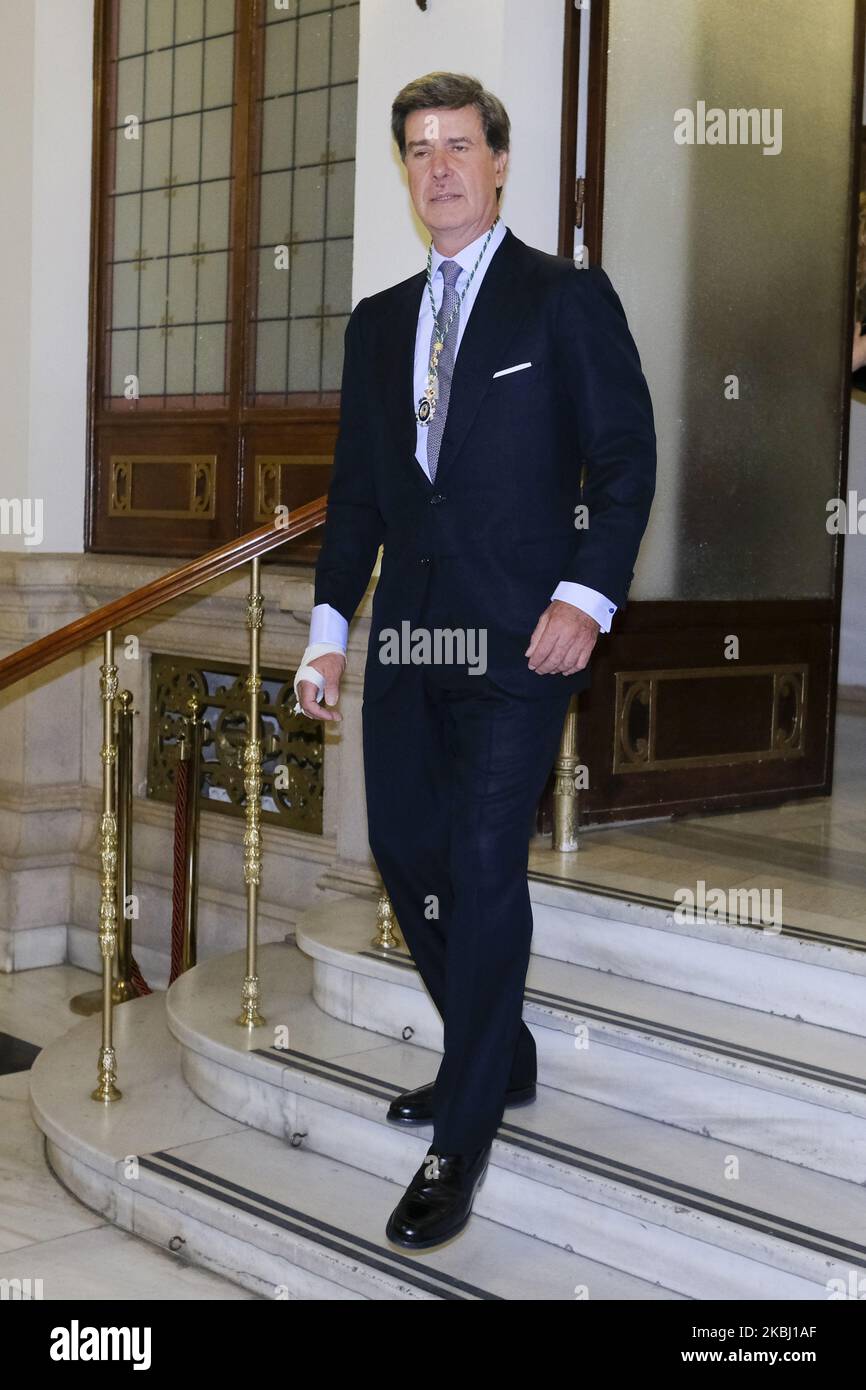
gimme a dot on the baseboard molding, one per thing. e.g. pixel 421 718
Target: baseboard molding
pixel 32 948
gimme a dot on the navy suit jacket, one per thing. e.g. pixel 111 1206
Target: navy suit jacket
pixel 486 544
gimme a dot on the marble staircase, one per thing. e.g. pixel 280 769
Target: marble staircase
pixel 699 1132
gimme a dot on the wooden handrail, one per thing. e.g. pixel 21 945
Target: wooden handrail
pixel 180 581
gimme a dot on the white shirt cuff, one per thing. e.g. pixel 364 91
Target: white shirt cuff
pixel 327 625
pixel 589 600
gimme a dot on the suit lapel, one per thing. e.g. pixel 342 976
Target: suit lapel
pixel 397 367
pixel 503 300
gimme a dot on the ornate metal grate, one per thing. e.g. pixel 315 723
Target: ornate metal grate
pixel 293 748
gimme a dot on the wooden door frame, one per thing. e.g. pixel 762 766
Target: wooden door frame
pixel 232 436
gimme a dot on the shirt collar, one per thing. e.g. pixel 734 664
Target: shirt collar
pixel 469 255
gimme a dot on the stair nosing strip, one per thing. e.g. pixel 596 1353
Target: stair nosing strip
pixel 687 1036
pixel 334 1238
pixel 405 961
pixel 777 1062
pixel 615 1170
pixel 346 1080
pixel 777 1226
pixel 648 900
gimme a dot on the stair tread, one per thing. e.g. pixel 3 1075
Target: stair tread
pixel 653 906
pixel 611 1002
pixel 318 1212
pixel 697 1021
pixel 346 1208
pixel 562 1137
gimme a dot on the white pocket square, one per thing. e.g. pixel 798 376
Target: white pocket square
pixel 506 371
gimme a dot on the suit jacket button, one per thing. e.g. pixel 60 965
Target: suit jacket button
pixel 425 559
pixel 436 499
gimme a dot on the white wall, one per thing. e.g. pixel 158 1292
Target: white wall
pixel 515 48
pixel 45 160
pixel 62 141
pixel 16 155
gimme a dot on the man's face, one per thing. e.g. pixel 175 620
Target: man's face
pixel 453 173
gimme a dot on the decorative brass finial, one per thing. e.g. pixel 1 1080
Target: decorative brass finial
pixel 387 936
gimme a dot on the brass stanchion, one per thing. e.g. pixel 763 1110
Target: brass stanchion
pixel 565 836
pixel 387 936
pixel 249 1016
pixel 124 989
pixel 193 748
pixel 106 1091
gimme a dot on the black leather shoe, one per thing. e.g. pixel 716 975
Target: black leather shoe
pixel 416 1107
pixel 438 1201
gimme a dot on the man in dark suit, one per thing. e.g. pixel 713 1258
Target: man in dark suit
pixel 496 438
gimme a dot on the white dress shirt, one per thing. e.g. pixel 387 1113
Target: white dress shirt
pixel 329 627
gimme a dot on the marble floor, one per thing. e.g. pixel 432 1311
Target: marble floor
pixel 814 850
pixel 45 1232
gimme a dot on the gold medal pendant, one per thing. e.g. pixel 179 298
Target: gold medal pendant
pixel 427 404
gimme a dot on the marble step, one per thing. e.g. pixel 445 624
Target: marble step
pixel 743 1076
pixel 705 1218
pixel 798 972
pixel 282 1221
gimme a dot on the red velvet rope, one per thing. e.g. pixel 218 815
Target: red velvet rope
pixel 137 980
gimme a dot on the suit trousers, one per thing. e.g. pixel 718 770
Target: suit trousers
pixel 454 768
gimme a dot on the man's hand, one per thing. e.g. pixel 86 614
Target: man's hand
pixel 331 666
pixel 563 640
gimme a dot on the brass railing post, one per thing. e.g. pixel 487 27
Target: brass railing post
pixel 124 989
pixel 249 1016
pixel 564 789
pixel 190 933
pixel 106 1090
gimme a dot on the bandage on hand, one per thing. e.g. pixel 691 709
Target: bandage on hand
pixel 307 672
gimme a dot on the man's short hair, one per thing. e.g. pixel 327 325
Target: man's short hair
pixel 451 90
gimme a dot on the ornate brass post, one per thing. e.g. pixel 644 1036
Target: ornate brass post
pixel 387 937
pixel 124 988
pixel 249 1016
pixel 193 742
pixel 106 1090
pixel 564 789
